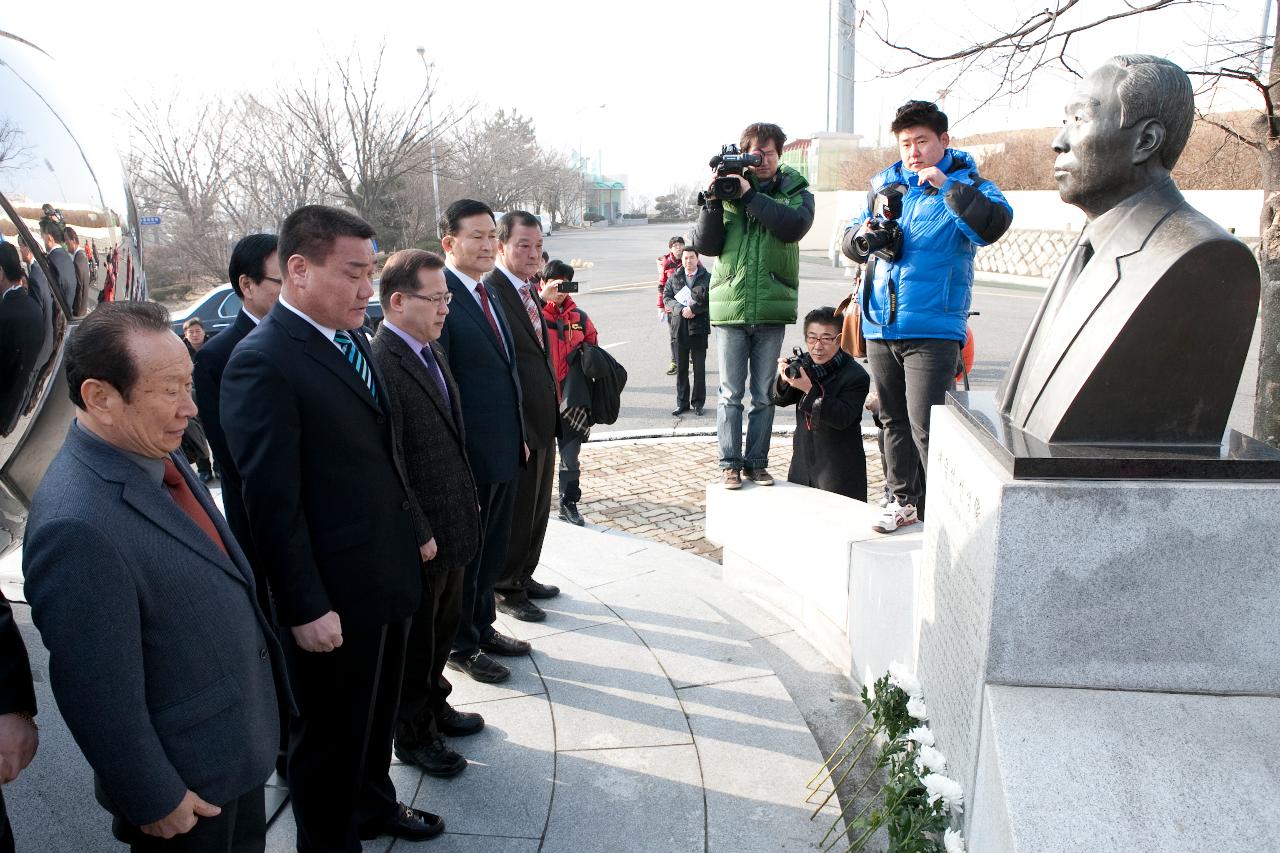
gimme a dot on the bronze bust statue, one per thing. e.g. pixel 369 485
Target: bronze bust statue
pixel 1142 336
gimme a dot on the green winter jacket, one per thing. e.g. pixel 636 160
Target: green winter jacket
pixel 756 278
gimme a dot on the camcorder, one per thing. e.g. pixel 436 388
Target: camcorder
pixel 884 235
pixel 796 363
pixel 729 164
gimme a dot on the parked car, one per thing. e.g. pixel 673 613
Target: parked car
pixel 218 309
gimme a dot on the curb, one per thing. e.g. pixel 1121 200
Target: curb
pixel 686 432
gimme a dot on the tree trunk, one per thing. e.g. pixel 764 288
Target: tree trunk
pixel 1266 413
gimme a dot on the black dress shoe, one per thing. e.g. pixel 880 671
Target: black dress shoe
pixel 409 824
pixel 501 644
pixel 533 589
pixel 481 667
pixel 569 512
pixel 522 609
pixel 697 410
pixel 434 757
pixel 455 723
pixel 679 410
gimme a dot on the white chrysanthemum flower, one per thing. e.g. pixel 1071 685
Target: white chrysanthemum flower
pixel 921 735
pixel 948 790
pixel 931 759
pixel 953 841
pixel 901 677
pixel 916 708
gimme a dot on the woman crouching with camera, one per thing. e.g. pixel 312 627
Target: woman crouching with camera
pixel 828 388
pixel 568 329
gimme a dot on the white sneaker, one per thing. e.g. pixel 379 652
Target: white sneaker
pixel 895 515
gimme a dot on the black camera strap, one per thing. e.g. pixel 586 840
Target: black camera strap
pixel 864 288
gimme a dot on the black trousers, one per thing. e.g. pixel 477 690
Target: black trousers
pixel 497 501
pixel 528 522
pixel 241 828
pixel 424 689
pixel 340 743
pixel 6 832
pixel 691 348
pixel 911 376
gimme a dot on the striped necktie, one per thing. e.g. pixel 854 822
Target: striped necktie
pixel 535 316
pixel 356 359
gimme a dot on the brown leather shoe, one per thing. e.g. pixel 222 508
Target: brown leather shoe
pixel 732 478
pixel 759 476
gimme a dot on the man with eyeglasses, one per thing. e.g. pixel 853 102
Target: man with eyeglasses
pixel 426 417
pixel 754 292
pixel 828 388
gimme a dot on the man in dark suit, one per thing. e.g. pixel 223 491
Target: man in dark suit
pixel 519 260
pixel 478 344
pixel 19 737
pixel 161 662
pixel 22 334
pixel 60 260
pixel 307 421
pixel 254 273
pixel 1116 353
pixel 426 414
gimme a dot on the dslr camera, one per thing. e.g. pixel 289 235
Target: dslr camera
pixel 884 235
pixel 729 164
pixel 796 363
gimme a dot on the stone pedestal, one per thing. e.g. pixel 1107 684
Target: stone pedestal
pixel 1047 604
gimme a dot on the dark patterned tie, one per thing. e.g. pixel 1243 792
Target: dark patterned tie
pixel 187 502
pixel 356 359
pixel 535 316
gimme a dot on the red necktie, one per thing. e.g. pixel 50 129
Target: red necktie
pixel 488 315
pixel 186 501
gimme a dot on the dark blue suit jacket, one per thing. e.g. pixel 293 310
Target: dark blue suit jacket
pixel 488 383
pixel 161 662
pixel 210 362
pixel 325 492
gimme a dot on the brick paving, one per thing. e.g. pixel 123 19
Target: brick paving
pixel 656 488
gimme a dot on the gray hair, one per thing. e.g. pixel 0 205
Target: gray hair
pixel 1154 87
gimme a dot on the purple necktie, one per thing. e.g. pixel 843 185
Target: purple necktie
pixel 430 358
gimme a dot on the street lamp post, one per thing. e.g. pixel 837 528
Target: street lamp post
pixel 581 159
pixel 435 175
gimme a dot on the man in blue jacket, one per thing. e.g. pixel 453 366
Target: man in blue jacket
pixel 918 285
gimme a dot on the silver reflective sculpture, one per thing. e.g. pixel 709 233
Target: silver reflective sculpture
pixel 1142 337
pixel 56 166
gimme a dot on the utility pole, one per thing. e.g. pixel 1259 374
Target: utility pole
pixel 435 175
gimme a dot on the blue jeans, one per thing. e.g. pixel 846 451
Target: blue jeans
pixel 746 351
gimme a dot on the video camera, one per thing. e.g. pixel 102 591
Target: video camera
pixel 729 164
pixel 884 235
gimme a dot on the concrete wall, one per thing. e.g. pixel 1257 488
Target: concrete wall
pixel 1040 210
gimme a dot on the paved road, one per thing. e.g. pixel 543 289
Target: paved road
pixel 619 293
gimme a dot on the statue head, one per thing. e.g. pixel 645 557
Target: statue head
pixel 1125 126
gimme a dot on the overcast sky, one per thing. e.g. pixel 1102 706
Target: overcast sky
pixel 678 77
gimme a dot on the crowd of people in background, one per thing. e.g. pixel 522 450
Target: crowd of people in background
pixel 385 499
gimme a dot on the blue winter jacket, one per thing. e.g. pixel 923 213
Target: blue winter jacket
pixel 932 282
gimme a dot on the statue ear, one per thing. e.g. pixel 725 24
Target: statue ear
pixel 1149 140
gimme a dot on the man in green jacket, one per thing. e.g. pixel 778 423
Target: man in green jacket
pixel 754 292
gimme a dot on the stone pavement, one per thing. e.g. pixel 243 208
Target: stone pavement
pixel 653 716
pixel 660 712
pixel 656 487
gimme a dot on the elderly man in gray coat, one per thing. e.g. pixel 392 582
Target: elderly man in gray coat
pixel 160 660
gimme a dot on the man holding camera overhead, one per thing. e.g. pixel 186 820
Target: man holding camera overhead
pixel 925 217
pixel 753 217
